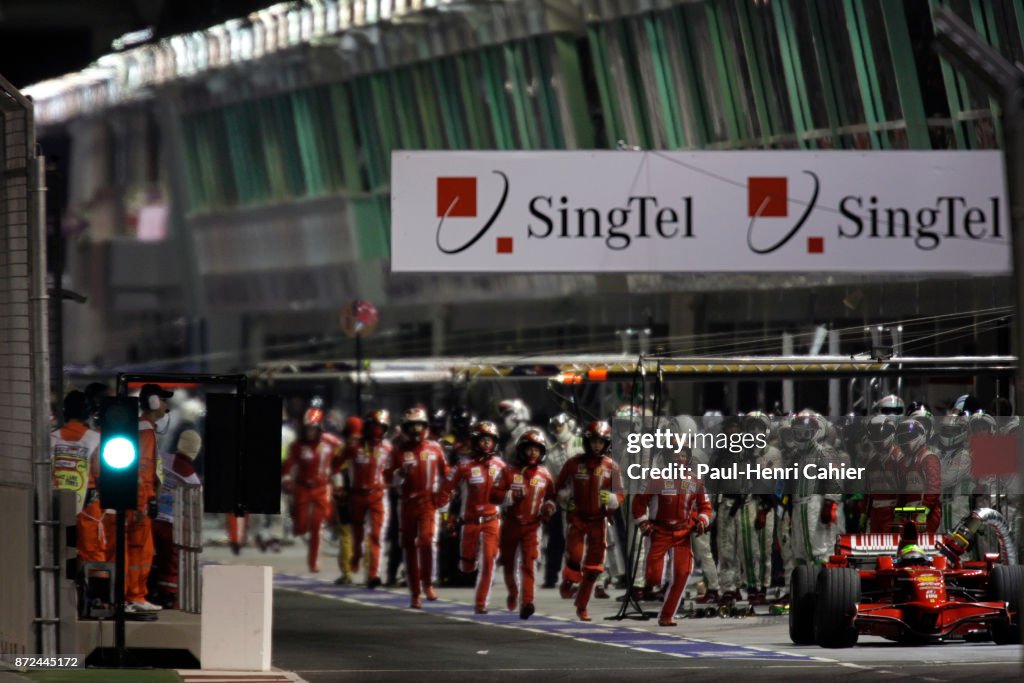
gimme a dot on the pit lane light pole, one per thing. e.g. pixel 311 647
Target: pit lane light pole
pixel 970 54
pixel 119 489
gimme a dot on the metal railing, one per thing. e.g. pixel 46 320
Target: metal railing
pixel 188 539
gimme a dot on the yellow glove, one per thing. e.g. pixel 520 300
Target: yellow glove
pixel 605 496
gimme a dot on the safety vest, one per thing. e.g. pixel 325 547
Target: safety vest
pixel 71 447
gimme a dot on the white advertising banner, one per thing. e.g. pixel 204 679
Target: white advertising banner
pixel 614 211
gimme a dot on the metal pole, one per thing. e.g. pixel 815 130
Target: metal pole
pixel 359 373
pixel 787 384
pixel 834 406
pixel 39 314
pixel 119 639
pixel 897 352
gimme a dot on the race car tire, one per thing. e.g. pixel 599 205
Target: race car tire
pixel 1005 585
pixel 802 584
pixel 836 605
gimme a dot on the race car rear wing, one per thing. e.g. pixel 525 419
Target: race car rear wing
pixel 870 546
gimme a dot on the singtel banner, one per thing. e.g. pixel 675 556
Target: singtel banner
pixel 614 211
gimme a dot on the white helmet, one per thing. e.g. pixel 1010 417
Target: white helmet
pixel 911 436
pixel 681 424
pixel 633 414
pixel 925 417
pixel 806 430
pixel 882 432
pixel 952 432
pixel 712 421
pixel 513 412
pixel 562 428
pixel 888 405
pixel 982 423
pixel 757 422
pixel 1012 425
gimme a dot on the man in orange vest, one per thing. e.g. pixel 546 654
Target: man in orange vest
pixel 74 448
pixel 139 543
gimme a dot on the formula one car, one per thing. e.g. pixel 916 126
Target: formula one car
pixel 889 585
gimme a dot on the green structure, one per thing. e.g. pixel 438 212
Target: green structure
pixel 273 160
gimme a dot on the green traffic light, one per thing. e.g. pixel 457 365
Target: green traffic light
pixel 119 453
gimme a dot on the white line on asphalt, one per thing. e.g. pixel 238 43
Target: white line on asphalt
pixel 682 667
pixel 576 638
pixel 797 666
pixel 503 626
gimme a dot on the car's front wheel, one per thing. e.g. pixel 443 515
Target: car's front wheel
pixel 838 595
pixel 1005 585
pixel 801 603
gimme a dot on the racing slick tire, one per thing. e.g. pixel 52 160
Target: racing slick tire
pixel 1005 585
pixel 835 607
pixel 801 601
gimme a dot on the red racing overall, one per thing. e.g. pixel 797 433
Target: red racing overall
pixel 311 488
pixel 420 467
pixel 367 460
pixel 480 519
pixel 669 511
pixel 529 494
pixel 579 486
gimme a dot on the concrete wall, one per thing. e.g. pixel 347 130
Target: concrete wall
pixel 17 592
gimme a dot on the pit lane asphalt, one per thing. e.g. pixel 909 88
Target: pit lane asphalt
pixel 329 633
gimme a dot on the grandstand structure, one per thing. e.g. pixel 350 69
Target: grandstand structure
pixel 229 188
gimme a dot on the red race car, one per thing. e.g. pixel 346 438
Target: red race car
pixel 910 587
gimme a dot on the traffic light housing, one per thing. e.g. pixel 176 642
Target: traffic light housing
pixel 119 453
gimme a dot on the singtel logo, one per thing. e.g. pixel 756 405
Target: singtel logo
pixel 950 217
pixel 644 217
pixel 640 217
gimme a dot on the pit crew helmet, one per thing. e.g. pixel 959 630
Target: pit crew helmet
pixel 513 412
pixel 413 418
pixel 855 437
pixel 925 417
pixel 1012 425
pixel 712 421
pixel 888 405
pixel 379 416
pixel 633 415
pixel 757 422
pixel 882 432
pixel 531 437
pixel 439 422
pixel 911 436
pixel 313 417
pixel 952 432
pixel 806 430
pixel 562 427
pixel 982 423
pixel 376 423
pixel 598 429
pixel 462 422
pixel 481 430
